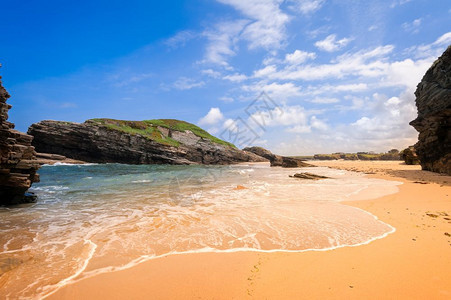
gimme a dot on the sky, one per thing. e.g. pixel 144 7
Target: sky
pixel 298 77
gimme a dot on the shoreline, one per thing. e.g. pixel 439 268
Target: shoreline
pixel 237 274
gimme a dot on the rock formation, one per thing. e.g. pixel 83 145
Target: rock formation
pixel 409 156
pixel 309 176
pixel 51 159
pixel 135 142
pixel 433 100
pixel 277 160
pixel 18 164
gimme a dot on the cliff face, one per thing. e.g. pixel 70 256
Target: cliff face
pixel 433 100
pixel 18 163
pixel 135 142
pixel 277 160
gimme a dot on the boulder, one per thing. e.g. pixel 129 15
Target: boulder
pixel 18 163
pixel 409 156
pixel 433 100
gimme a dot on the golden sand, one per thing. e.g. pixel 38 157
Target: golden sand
pixel 412 263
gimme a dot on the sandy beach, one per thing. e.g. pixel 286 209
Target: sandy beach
pixel 412 263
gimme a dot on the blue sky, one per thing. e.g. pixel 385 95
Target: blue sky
pixel 337 75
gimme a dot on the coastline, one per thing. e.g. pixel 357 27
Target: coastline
pixel 413 262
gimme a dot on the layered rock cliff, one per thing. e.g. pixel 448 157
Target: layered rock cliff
pixel 135 142
pixel 18 164
pixel 277 160
pixel 433 100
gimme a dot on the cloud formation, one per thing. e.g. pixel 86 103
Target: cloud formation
pixel 213 117
pixel 331 44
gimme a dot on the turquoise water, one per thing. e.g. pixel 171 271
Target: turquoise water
pixel 91 219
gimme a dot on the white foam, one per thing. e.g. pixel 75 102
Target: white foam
pixel 69 164
pixel 145 258
pixel 142 181
pixel 49 290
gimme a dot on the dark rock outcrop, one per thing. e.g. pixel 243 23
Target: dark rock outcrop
pixel 277 160
pixel 433 100
pixel 135 142
pixel 309 176
pixel 409 156
pixel 18 164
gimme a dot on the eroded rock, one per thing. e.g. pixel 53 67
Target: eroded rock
pixel 18 163
pixel 433 100
pixel 410 156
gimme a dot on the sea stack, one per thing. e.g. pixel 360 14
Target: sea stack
pixel 433 100
pixel 18 163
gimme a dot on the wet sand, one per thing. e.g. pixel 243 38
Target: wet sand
pixel 412 263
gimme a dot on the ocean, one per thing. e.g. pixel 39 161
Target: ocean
pixel 97 218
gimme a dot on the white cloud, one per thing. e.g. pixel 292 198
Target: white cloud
pixel 295 119
pixel 365 63
pixel 211 73
pixel 264 26
pixel 299 129
pixel 399 2
pixel 318 124
pixel 122 80
pixel 222 41
pixel 180 39
pixel 412 27
pixel 184 83
pixel 227 99
pixel 267 29
pixel 318 31
pixel 266 71
pixel 298 57
pixel 282 116
pixel 386 120
pixel 444 39
pixel 324 100
pixel 432 50
pixel 383 126
pixel 235 77
pixel 406 73
pixel 213 117
pixel 308 6
pixel 277 91
pixel 331 44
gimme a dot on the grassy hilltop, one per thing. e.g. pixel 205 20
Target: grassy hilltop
pixel 151 129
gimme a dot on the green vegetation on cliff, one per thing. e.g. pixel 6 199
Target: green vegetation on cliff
pixel 150 129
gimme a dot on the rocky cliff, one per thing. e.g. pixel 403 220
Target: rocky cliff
pixel 18 164
pixel 135 142
pixel 277 160
pixel 433 100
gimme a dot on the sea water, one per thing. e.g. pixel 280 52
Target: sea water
pixel 97 218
